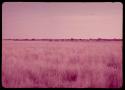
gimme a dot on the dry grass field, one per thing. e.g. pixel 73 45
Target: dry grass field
pixel 64 64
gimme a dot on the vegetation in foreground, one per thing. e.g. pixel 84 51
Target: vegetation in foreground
pixel 61 64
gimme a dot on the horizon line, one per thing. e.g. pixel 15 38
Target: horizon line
pixel 60 38
pixel 71 39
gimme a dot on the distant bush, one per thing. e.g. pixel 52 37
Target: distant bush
pixel 71 39
pixel 99 39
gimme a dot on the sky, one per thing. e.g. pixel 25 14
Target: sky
pixel 56 20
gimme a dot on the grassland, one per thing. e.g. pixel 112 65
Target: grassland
pixel 68 64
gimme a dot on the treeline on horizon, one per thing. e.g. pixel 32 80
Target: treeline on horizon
pixel 71 39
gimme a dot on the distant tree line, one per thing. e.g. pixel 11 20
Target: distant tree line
pixel 71 39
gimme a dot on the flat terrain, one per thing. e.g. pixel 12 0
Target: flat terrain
pixel 64 64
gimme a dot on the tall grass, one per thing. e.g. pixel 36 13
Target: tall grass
pixel 85 64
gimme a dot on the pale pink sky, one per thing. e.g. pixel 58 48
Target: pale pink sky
pixel 62 20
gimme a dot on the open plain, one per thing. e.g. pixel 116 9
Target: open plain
pixel 61 64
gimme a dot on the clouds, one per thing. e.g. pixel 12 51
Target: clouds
pixel 60 20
